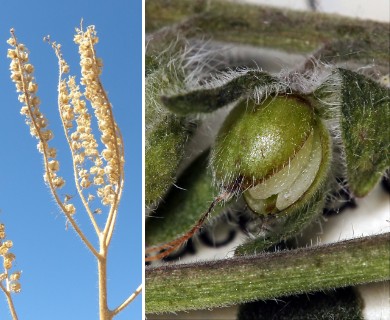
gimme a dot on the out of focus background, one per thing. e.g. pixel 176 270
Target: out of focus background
pixel 377 10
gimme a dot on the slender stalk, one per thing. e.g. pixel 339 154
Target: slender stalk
pixel 128 300
pixel 104 312
pixel 172 288
pixel 10 302
pixel 111 219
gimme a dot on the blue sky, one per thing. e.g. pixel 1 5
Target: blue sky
pixel 59 279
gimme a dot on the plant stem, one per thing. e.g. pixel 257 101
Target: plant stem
pixel 172 288
pixel 128 300
pixel 10 302
pixel 104 312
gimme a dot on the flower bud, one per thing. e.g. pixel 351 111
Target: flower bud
pixel 273 150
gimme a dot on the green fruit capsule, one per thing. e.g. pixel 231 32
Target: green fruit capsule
pixel 275 149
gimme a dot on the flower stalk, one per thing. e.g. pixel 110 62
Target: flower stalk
pixel 10 302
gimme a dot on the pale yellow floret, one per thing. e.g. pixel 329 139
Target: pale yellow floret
pixel 15 287
pixel 7 264
pixel 70 208
pixel 52 152
pixel 8 244
pixel 98 181
pixel 85 183
pixel 58 182
pixel 3 249
pixel 29 68
pixel 32 87
pixel 54 165
pixel 15 276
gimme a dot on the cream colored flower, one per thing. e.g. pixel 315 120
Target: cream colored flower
pixel 15 276
pixel 70 208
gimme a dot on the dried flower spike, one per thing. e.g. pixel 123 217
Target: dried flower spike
pixel 9 281
pixel 23 77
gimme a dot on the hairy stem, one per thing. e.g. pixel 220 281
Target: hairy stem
pixel 204 285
